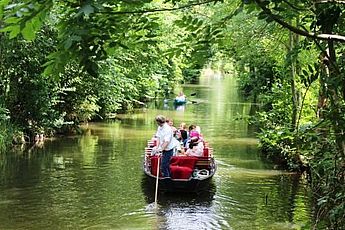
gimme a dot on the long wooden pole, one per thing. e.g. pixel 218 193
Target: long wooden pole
pixel 157 177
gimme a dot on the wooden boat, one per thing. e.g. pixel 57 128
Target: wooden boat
pixel 188 174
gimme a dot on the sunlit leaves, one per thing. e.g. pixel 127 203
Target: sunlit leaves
pixel 25 18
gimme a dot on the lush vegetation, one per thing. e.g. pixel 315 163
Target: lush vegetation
pixel 297 76
pixel 66 62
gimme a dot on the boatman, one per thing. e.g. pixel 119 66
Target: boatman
pixel 165 145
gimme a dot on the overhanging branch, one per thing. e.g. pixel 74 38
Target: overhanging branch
pixel 296 30
pixel 330 1
pixel 158 10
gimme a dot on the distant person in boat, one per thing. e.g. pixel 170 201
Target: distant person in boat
pixel 180 97
pixel 195 145
pixel 165 143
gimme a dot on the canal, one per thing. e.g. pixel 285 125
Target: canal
pixel 95 181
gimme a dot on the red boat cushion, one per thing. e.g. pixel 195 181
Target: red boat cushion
pixel 180 172
pixel 182 167
pixel 184 161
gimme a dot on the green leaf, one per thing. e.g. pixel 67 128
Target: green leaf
pixel 4 2
pixel 15 30
pixel 310 69
pixel 68 43
pixel 28 32
pixel 199 24
pixel 48 63
pixel 12 20
pixel 38 20
pixel 305 73
pixel 87 9
pixel 195 21
pixel 7 29
pixel 262 15
pixel 48 70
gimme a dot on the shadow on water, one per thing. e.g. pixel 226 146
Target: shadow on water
pixel 204 197
pixel 182 210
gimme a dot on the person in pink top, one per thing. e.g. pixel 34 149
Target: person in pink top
pixel 195 145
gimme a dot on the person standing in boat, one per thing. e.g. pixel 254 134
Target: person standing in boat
pixel 165 143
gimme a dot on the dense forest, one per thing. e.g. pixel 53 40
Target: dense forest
pixel 67 62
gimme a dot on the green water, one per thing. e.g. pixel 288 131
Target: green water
pixel 95 181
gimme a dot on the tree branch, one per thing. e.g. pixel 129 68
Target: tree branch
pixel 296 30
pixel 158 10
pixel 292 6
pixel 330 1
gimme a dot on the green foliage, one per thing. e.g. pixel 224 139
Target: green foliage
pixel 98 58
pixel 327 175
pixel 198 38
pixel 28 96
pixel 121 66
pixel 24 18
pixel 6 129
pixel 318 139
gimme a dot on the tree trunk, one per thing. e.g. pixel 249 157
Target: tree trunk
pixel 293 42
pixel 331 84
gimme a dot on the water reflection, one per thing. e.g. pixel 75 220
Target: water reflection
pixel 182 210
pixel 95 181
pixel 180 107
pixel 205 196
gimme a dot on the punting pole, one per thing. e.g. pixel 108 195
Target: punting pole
pixel 157 177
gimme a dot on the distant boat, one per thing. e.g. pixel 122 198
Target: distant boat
pixel 188 174
pixel 180 101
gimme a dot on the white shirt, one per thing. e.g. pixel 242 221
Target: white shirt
pixel 197 150
pixel 165 133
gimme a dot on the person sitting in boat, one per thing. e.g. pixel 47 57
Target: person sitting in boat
pixel 171 124
pixel 165 143
pixel 192 133
pixel 179 149
pixel 178 146
pixel 191 128
pixel 198 129
pixel 196 147
pixel 182 134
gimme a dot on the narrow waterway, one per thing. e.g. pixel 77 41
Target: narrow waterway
pixel 95 181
